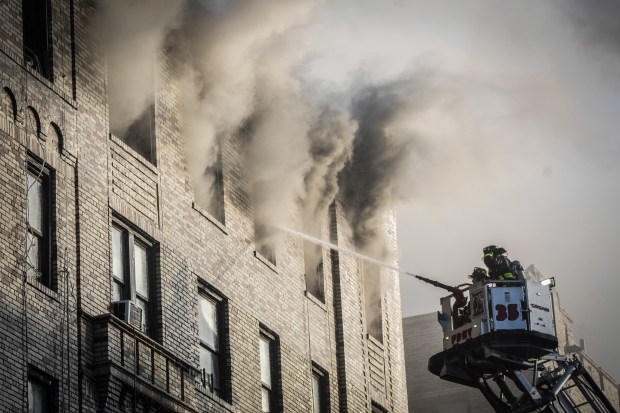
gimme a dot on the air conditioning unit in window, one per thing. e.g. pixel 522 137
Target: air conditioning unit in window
pixel 128 312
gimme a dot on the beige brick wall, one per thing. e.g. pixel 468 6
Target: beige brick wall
pixel 99 179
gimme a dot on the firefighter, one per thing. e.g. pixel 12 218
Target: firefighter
pixel 500 267
pixel 460 309
pixel 478 274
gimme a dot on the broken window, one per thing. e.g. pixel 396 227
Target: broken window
pixel 37 31
pixel 132 110
pixel 265 245
pixel 371 274
pixel 313 263
pixel 209 191
pixel 264 232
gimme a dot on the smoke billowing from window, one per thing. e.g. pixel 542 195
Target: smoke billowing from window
pixel 133 33
pixel 240 63
pixel 269 63
pixel 331 144
pixel 455 104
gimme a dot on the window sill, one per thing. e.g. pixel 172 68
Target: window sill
pixel 210 218
pixel 213 396
pixel 316 300
pixel 265 261
pixel 143 161
pixel 52 294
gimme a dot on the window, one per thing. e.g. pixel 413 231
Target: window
pixel 39 218
pixel 320 386
pixel 212 333
pixel 132 121
pixel 269 376
pixel 209 189
pixel 372 299
pixel 313 263
pixel 264 241
pixel 264 233
pixel 132 272
pixel 37 31
pixel 41 393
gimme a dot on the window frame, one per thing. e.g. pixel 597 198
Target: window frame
pixel 129 238
pixel 46 68
pixel 51 384
pixel 274 390
pixel 40 172
pixel 266 250
pixel 373 309
pixel 314 257
pixel 221 308
pixel 323 381
pixel 131 136
pixel 217 206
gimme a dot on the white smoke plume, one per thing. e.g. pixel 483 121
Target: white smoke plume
pixel 133 33
pixel 242 62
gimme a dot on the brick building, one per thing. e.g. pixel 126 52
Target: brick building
pixel 428 393
pixel 88 219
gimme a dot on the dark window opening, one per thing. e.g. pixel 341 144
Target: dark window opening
pixel 320 390
pixel 371 274
pixel 313 264
pixel 209 192
pixel 269 372
pixel 264 233
pixel 37 31
pixel 133 273
pixel 132 120
pixel 265 244
pixel 40 223
pixel 41 392
pixel 212 333
pixel 139 135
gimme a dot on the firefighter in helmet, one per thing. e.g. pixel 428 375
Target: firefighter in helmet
pixel 500 267
pixel 478 274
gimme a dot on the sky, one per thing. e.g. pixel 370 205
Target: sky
pixel 478 121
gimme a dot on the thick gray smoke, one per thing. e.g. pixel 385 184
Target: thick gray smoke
pixel 331 144
pixel 372 180
pixel 237 62
pixel 242 68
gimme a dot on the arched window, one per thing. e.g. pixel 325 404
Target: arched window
pixel 8 109
pixel 57 138
pixel 33 122
pixel 8 105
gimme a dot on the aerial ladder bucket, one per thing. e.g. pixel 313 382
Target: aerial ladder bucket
pixel 499 337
